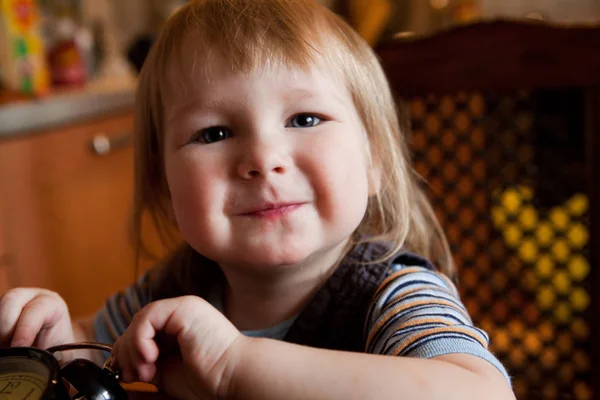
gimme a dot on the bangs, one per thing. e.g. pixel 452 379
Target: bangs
pixel 247 35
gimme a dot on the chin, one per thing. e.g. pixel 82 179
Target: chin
pixel 274 258
pixel 270 255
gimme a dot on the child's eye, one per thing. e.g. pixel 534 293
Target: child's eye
pixel 305 121
pixel 212 134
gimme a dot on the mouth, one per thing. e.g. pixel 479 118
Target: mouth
pixel 272 211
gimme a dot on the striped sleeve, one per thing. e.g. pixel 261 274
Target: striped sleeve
pixel 111 321
pixel 417 312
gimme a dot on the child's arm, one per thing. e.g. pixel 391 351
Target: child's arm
pixel 424 343
pixel 268 369
pixel 83 330
pixel 204 356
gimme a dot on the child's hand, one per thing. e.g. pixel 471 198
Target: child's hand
pixel 34 317
pixel 183 345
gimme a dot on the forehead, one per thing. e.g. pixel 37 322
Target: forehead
pixel 196 72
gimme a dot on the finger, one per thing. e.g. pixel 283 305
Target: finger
pixel 159 316
pixel 145 338
pixel 146 372
pixel 128 360
pixel 39 314
pixel 121 360
pixel 130 374
pixel 147 334
pixel 11 305
pixel 136 351
pixel 181 318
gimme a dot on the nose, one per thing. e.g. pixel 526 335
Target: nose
pixel 262 158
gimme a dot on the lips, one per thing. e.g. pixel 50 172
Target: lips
pixel 272 210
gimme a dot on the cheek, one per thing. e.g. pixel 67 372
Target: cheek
pixel 194 195
pixel 339 177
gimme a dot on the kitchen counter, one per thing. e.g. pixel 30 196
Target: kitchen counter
pixel 23 116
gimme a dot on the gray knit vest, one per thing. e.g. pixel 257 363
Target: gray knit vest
pixel 333 319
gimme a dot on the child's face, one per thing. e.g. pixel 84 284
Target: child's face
pixel 266 169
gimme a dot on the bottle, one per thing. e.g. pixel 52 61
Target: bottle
pixel 85 41
pixel 22 56
pixel 67 66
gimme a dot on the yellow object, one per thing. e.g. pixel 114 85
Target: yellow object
pixel 511 200
pixel 528 217
pixel 579 267
pixel 528 250
pixel 562 283
pixel 512 235
pixel 539 240
pixel 561 250
pixel 546 298
pixel 580 299
pixel 545 266
pixel 22 57
pixel 559 218
pixel 466 11
pixel 544 234
pixel 370 17
pixel 578 236
pixel 578 204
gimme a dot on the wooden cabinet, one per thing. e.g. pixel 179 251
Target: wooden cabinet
pixel 65 211
pixel 4 268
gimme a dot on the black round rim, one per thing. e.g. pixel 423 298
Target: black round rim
pixel 42 356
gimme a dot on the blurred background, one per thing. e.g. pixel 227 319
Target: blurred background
pixel 500 101
pixel 70 42
pixel 64 43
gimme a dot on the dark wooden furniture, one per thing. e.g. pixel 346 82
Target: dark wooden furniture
pixel 505 120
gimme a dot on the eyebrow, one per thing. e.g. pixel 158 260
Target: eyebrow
pixel 299 93
pixel 305 94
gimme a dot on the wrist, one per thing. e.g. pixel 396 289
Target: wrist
pixel 232 365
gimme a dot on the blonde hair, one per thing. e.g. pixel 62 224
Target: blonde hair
pixel 251 34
